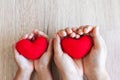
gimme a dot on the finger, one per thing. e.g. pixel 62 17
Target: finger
pixel 39 33
pixel 73 34
pixel 42 34
pixel 30 36
pixel 24 37
pixel 68 30
pixel 74 29
pixel 97 39
pixel 77 36
pixel 87 29
pixel 16 54
pixel 50 46
pixel 80 30
pixel 35 31
pixel 95 32
pixel 57 46
pixel 62 33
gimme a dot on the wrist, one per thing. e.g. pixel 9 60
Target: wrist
pixel 71 76
pixel 41 68
pixel 44 73
pixel 25 71
pixel 22 74
pixel 98 75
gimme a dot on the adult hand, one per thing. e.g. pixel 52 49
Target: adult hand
pixel 70 69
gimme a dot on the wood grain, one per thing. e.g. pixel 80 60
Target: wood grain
pixel 18 17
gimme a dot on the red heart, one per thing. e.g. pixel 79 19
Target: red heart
pixel 77 48
pixel 32 49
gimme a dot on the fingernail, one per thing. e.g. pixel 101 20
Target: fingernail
pixel 64 34
pixel 77 36
pixel 73 35
pixel 26 36
pixel 69 31
pixel 81 33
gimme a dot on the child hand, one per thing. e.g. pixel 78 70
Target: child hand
pixel 70 69
pixel 43 64
pixel 94 62
pixel 25 66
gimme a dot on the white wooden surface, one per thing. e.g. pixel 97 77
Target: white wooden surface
pixel 18 17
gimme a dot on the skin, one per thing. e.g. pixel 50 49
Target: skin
pixel 42 65
pixel 25 66
pixel 93 65
pixel 94 62
pixel 65 64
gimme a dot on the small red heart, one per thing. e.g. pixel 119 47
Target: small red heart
pixel 32 49
pixel 77 48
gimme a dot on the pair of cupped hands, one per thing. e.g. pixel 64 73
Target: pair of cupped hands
pixel 92 66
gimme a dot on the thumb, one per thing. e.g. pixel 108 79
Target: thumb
pixel 50 48
pixel 57 46
pixel 97 38
pixel 16 53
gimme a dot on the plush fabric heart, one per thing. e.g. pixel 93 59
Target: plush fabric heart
pixel 77 48
pixel 32 49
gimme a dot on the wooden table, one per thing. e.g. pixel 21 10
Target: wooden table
pixel 18 17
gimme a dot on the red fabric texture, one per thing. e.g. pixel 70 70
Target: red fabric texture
pixel 77 48
pixel 32 49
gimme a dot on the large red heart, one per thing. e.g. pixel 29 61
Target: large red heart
pixel 32 49
pixel 77 48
